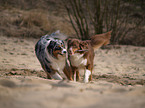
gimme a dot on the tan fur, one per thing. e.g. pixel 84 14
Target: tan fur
pixel 68 72
pixel 100 39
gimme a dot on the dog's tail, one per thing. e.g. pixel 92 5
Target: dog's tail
pixel 100 39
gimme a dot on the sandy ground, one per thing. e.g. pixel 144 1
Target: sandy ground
pixel 118 79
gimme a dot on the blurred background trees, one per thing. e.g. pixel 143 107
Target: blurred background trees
pixel 76 18
pixel 90 17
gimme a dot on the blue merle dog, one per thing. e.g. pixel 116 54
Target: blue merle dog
pixel 52 55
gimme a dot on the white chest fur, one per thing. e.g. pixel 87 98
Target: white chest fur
pixel 78 60
pixel 57 64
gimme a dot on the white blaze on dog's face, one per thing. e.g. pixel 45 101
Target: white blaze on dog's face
pixel 56 49
pixel 73 46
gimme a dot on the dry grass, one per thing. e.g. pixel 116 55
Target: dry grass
pixel 32 23
pixel 28 18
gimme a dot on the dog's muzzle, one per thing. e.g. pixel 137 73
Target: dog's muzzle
pixel 70 51
pixel 63 52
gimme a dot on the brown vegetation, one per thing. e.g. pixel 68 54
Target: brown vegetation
pixel 27 18
pixel 97 16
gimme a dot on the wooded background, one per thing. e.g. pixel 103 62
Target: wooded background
pixel 76 18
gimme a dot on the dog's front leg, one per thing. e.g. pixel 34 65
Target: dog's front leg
pixel 74 75
pixel 74 70
pixel 48 75
pixel 77 75
pixel 86 75
pixel 68 73
pixel 56 76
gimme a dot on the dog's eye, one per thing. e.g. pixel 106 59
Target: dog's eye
pixel 75 46
pixel 58 48
pixel 62 44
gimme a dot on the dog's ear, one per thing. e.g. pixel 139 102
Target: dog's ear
pixel 69 41
pixel 83 45
pixel 51 45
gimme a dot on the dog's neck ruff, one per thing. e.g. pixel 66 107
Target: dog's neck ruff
pixel 57 64
pixel 78 60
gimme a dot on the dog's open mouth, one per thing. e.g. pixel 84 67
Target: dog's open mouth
pixel 61 54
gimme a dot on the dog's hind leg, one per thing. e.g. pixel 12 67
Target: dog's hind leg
pixel 87 75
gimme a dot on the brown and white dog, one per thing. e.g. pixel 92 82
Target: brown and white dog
pixel 81 54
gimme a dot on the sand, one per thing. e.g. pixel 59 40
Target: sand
pixel 118 79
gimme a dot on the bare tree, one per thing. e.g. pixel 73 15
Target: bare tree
pixel 89 17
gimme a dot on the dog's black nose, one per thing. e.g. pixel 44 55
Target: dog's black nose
pixel 64 51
